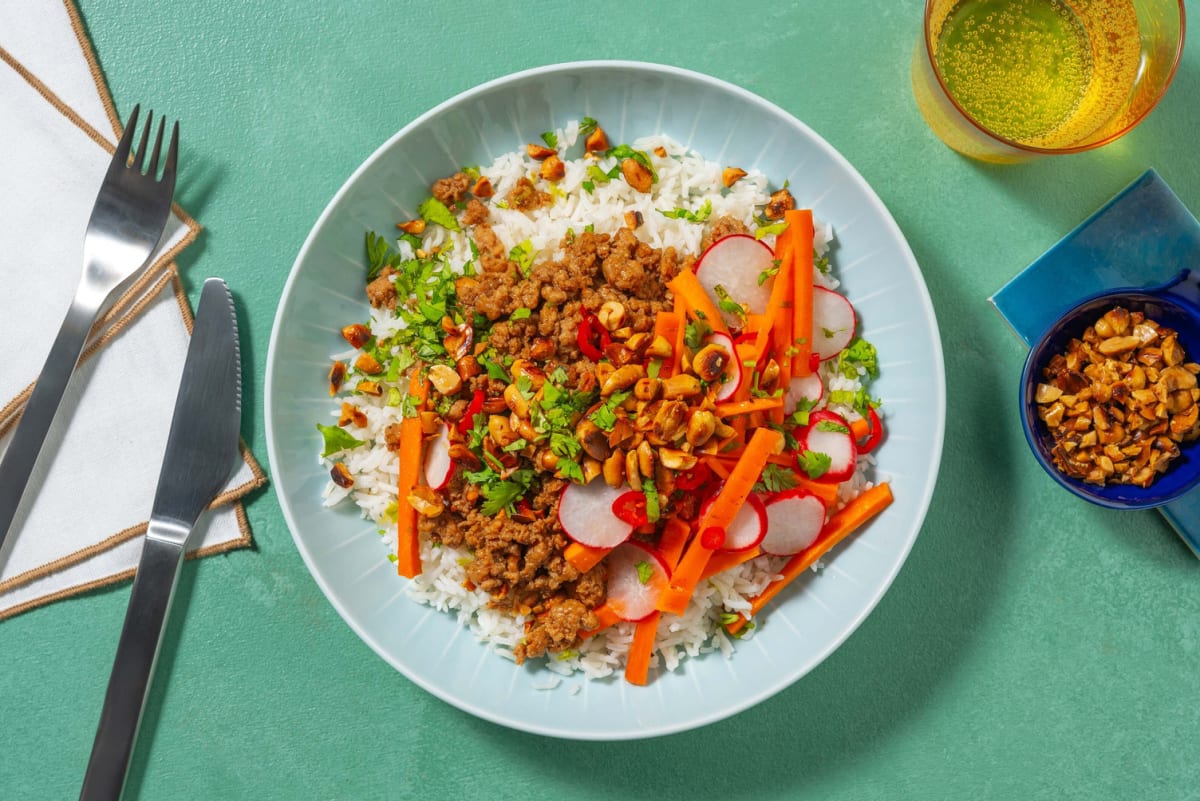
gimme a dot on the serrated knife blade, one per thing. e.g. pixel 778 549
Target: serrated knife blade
pixel 201 454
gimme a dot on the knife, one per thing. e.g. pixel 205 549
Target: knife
pixel 202 452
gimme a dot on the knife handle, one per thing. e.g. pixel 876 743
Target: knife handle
pixel 133 668
pixel 16 465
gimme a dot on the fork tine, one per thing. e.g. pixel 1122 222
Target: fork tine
pixel 121 154
pixel 153 171
pixel 140 156
pixel 172 155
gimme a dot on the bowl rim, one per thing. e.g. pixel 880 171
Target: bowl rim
pixel 1159 293
pixel 936 358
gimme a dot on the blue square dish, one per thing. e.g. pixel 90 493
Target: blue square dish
pixel 1143 237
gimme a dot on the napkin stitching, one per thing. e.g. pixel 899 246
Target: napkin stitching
pixel 89 55
pixel 152 272
pixel 234 494
pixel 10 413
pixel 116 578
pixel 156 277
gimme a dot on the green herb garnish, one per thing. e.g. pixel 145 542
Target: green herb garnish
pixel 699 215
pixel 775 479
pixel 434 211
pixel 814 463
pixel 336 439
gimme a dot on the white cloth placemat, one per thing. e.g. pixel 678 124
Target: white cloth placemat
pixel 80 525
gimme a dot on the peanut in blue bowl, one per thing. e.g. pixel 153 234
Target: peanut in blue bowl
pixel 1174 305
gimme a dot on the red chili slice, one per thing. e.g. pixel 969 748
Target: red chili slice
pixel 712 537
pixel 814 362
pixel 473 408
pixel 591 337
pixel 695 478
pixel 874 433
pixel 630 507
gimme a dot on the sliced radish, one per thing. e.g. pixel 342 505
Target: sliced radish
pixel 794 519
pixel 734 370
pixel 438 464
pixel 833 322
pixel 829 433
pixel 808 387
pixel 585 513
pixel 637 578
pixel 734 263
pixel 749 525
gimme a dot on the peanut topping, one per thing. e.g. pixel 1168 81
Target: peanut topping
pixel 597 141
pixel 1120 401
pixel 539 152
pixel 553 168
pixel 636 175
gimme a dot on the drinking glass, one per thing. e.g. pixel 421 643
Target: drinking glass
pixel 1009 80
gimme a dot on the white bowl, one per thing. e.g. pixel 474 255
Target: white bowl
pixel 723 123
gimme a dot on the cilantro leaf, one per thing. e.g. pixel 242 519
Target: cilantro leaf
pixel 520 314
pixel 587 125
pixel 498 495
pixel 644 571
pixel 694 334
pixel 699 215
pixel 622 152
pixel 551 140
pixel 523 254
pixel 832 427
pixel 859 353
pixel 775 479
pixel 336 439
pixel 570 470
pixel 434 211
pixel 379 255
pixel 814 463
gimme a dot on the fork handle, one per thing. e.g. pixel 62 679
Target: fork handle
pixel 16 465
pixel 133 668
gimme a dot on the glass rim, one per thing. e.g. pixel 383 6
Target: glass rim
pixel 1052 150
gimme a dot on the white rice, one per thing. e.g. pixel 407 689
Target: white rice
pixel 685 180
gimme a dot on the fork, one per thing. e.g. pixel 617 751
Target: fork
pixel 127 221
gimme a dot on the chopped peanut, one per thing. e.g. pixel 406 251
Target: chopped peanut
pixel 1120 401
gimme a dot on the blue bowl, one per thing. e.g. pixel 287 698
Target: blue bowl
pixel 1176 305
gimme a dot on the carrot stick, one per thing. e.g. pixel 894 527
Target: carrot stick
pixel 582 557
pixel 718 466
pixel 860 428
pixel 802 289
pixel 605 616
pixel 408 543
pixel 755 323
pixel 677 344
pixel 779 309
pixel 784 319
pixel 667 325
pixel 719 515
pixel 697 302
pixel 674 537
pixel 733 408
pixel 637 663
pixel 720 562
pixel 849 519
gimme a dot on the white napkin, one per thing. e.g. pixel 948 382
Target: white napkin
pixel 81 522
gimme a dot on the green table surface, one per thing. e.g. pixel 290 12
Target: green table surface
pixel 1033 646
